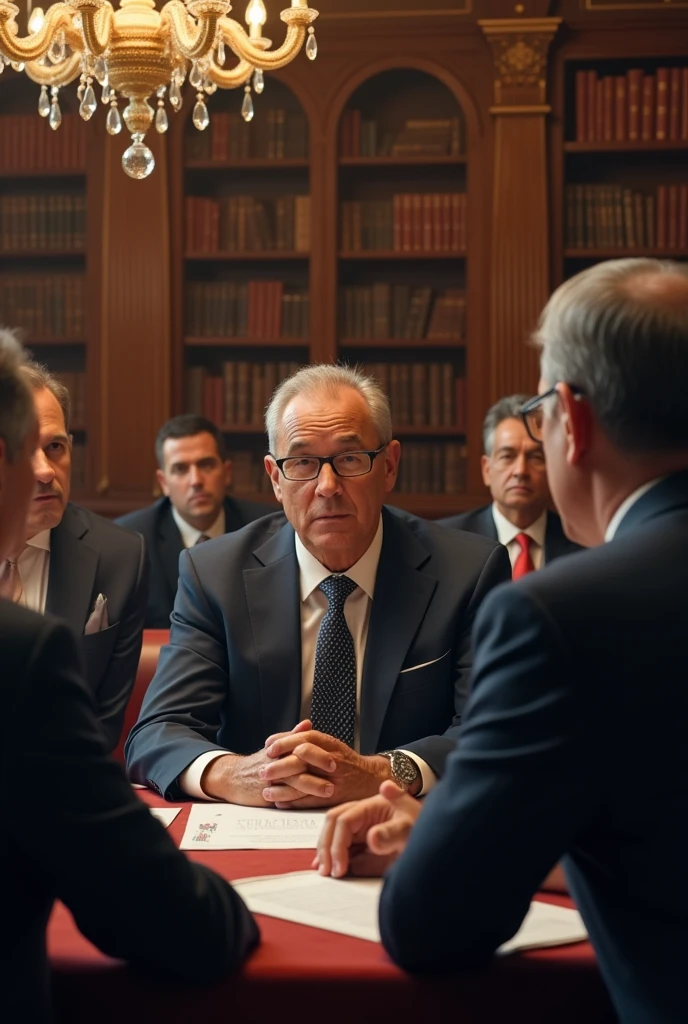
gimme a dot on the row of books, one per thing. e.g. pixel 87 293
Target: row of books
pixel 240 395
pixel 45 306
pixel 422 394
pixel 28 144
pixel 275 134
pixel 42 222
pixel 383 310
pixel 610 216
pixel 407 222
pixel 632 107
pixel 249 475
pixel 76 385
pixel 432 467
pixel 419 137
pixel 247 224
pixel 264 310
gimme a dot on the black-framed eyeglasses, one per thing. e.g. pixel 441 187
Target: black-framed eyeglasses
pixel 532 413
pixel 346 464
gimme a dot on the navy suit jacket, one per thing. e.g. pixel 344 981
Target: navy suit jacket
pixel 131 892
pixel 89 556
pixel 574 745
pixel 164 545
pixel 481 520
pixel 231 674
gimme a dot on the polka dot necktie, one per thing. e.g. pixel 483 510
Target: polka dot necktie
pixel 333 703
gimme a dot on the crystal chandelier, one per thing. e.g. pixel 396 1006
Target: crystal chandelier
pixel 136 52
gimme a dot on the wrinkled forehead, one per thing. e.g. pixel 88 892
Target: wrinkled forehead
pixel 338 419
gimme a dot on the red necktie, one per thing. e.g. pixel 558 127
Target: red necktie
pixel 524 563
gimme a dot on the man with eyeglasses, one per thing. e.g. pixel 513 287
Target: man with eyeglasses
pixel 310 660
pixel 575 738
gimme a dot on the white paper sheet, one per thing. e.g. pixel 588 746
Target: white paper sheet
pixel 349 906
pixel 231 827
pixel 165 815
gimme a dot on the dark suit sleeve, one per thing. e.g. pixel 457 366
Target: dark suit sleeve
pixel 517 788
pixel 131 892
pixel 116 685
pixel 435 749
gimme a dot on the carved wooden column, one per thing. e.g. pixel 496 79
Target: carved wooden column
pixel 519 277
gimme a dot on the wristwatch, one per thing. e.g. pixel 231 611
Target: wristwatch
pixel 404 769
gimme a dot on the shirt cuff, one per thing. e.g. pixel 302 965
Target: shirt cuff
pixel 427 775
pixel 190 778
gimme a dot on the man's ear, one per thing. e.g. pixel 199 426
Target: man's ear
pixel 273 472
pixel 162 480
pixel 576 420
pixel 485 468
pixel 227 471
pixel 391 455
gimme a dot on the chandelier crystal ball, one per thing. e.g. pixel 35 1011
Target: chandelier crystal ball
pixel 136 52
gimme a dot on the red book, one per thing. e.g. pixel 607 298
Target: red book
pixel 634 79
pixel 592 94
pixel 396 222
pixel 427 222
pixel 684 105
pixel 417 229
pixel 608 85
pixel 662 117
pixel 675 104
pixel 683 217
pixel 437 222
pixel 648 109
pixel 621 112
pixel 446 222
pixel 672 240
pixel 599 110
pixel 581 107
pixel 406 222
pixel 661 217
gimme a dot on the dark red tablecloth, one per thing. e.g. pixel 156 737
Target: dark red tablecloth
pixel 298 971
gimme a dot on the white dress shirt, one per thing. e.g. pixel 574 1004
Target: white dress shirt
pixel 190 534
pixel 506 535
pixel 627 505
pixel 34 567
pixel 314 605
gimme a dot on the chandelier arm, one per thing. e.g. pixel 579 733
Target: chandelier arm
pixel 232 78
pixel 235 37
pixel 37 44
pixel 190 44
pixel 96 25
pixel 58 74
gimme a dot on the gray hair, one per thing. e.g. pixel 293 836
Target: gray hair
pixel 330 380
pixel 39 377
pixel 17 414
pixel 508 408
pixel 624 342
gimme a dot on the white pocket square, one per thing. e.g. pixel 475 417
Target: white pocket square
pixel 98 619
pixel 414 668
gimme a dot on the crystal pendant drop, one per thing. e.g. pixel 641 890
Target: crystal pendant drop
pixel 106 94
pixel 101 71
pixel 113 121
pixel 196 78
pixel 200 115
pixel 88 103
pixel 138 161
pixel 209 87
pixel 258 81
pixel 43 102
pixel 55 115
pixel 311 44
pixel 221 53
pixel 56 53
pixel 161 122
pixel 175 94
pixel 160 91
pixel 180 74
pixel 247 105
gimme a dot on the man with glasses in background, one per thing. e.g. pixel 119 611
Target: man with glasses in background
pixel 310 660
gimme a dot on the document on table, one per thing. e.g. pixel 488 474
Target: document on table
pixel 231 827
pixel 165 815
pixel 349 906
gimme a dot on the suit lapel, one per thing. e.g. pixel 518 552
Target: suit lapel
pixel 402 595
pixel 170 546
pixel 73 567
pixel 487 525
pixel 273 597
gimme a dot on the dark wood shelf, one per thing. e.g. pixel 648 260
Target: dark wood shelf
pixel 607 254
pixel 433 506
pixel 253 164
pixel 654 146
pixel 34 172
pixel 36 254
pixel 414 343
pixel 402 161
pixel 251 256
pixel 427 431
pixel 201 342
pixel 392 255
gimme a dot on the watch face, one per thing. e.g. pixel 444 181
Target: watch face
pixel 404 768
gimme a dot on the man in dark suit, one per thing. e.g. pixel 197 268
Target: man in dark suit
pixel 194 474
pixel 575 737
pixel 345 617
pixel 79 566
pixel 513 466
pixel 94 845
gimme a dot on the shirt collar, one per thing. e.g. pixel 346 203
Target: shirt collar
pixel 626 506
pixel 363 572
pixel 41 540
pixel 190 534
pixel 506 531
